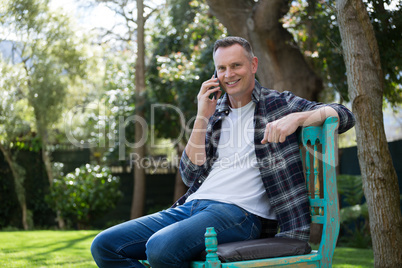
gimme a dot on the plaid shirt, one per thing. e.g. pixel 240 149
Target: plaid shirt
pixel 279 163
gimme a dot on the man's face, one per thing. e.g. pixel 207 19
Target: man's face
pixel 236 72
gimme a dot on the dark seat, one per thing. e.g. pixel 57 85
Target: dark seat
pixel 261 249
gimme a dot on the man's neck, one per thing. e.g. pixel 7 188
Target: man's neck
pixel 236 103
pixel 239 101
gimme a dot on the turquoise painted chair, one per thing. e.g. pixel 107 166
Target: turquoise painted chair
pixel 317 148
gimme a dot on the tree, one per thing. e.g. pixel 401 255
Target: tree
pixel 281 64
pixel 52 56
pixel 13 126
pixel 366 86
pixel 315 28
pixel 135 31
pixel 137 206
pixel 182 59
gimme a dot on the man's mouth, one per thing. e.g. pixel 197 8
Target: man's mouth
pixel 232 82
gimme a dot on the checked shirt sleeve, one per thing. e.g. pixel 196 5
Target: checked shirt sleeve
pixel 188 170
pixel 297 104
pixel 346 118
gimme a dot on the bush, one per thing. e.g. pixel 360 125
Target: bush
pixel 354 216
pixel 85 194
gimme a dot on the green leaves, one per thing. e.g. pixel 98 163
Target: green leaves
pixel 48 50
pixel 14 123
pixel 86 193
pixel 315 28
pixel 182 60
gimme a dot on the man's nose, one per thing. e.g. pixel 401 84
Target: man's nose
pixel 229 73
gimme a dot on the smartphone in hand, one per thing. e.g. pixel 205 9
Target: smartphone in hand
pixel 216 93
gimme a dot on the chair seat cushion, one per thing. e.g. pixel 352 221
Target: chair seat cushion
pixel 261 249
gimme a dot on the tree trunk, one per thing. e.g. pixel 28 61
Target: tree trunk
pixel 48 167
pixel 281 65
pixel 179 187
pixel 19 187
pixel 365 82
pixel 137 206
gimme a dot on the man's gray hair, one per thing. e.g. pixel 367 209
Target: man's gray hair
pixel 233 40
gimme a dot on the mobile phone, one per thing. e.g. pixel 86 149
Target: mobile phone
pixel 216 93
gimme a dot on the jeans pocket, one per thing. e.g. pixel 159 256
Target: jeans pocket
pixel 253 221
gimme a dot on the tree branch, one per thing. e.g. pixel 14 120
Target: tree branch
pixel 150 13
pixel 233 14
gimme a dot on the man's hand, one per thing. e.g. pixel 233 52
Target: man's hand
pixel 195 148
pixel 206 106
pixel 278 130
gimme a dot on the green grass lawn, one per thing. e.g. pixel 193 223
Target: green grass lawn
pixel 39 249
pixel 46 249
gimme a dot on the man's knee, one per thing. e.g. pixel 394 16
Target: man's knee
pixel 161 252
pixel 98 245
pixel 101 246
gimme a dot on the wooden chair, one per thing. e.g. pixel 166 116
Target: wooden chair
pixel 324 208
pixel 317 149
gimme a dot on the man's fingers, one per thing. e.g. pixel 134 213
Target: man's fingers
pixel 273 134
pixel 267 134
pixel 282 138
pixel 265 138
pixel 210 84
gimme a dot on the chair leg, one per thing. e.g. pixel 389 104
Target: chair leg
pixel 211 244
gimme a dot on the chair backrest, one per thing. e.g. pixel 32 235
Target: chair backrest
pixel 318 148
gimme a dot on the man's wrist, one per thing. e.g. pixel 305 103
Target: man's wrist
pixel 315 117
pixel 309 118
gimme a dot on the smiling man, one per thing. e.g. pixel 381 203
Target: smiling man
pixel 242 166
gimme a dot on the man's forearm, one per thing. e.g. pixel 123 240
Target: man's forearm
pixel 195 148
pixel 278 130
pixel 316 117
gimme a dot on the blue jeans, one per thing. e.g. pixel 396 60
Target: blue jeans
pixel 173 237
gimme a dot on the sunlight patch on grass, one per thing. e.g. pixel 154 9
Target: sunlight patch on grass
pixel 46 249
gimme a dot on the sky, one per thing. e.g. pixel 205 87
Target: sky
pixel 97 16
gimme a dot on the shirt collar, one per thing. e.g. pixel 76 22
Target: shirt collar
pixel 223 104
pixel 255 95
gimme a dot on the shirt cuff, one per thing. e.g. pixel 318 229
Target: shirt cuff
pixel 346 118
pixel 188 170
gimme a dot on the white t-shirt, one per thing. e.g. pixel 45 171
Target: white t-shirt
pixel 235 177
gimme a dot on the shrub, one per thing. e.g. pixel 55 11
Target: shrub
pixel 85 194
pixel 354 216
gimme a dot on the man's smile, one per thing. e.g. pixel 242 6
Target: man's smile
pixel 231 83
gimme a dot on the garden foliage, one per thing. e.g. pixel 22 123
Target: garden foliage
pixel 85 194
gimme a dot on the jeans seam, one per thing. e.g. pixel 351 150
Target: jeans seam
pixel 247 217
pixel 246 214
pixel 252 232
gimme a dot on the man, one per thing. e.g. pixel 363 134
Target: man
pixel 242 166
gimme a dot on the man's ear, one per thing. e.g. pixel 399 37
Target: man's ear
pixel 254 64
